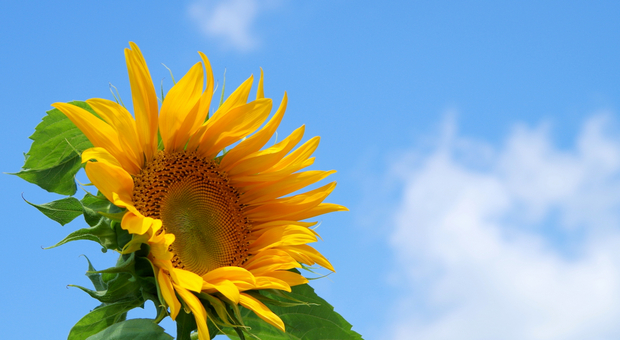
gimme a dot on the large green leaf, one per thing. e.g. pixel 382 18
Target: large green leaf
pixel 62 211
pixel 59 179
pixel 53 159
pixel 101 318
pixel 55 139
pixel 318 321
pixel 186 324
pixel 134 329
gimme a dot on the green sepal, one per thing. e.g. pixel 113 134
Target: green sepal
pixel 101 233
pixel 100 318
pixel 62 211
pixel 114 217
pixel 134 329
pixel 221 315
pixel 54 156
pixel 93 206
pixel 124 264
pixel 94 277
pixel 120 283
pixel 131 280
pixel 122 287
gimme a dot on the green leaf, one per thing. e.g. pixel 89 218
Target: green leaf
pixel 134 329
pixel 54 159
pixel 62 211
pixel 55 140
pixel 150 287
pixel 186 324
pixel 101 318
pixel 102 233
pixel 59 179
pixel 314 322
pixel 213 330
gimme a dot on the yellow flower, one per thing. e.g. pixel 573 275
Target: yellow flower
pixel 216 223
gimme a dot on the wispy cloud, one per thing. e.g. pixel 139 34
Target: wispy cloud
pixel 230 22
pixel 516 242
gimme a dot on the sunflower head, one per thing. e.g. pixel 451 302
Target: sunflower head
pixel 219 210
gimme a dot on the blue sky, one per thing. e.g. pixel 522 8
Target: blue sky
pixel 476 146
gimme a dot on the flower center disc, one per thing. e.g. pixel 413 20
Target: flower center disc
pixel 196 204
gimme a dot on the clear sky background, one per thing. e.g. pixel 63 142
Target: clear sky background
pixel 476 145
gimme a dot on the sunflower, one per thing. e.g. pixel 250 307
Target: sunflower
pixel 217 222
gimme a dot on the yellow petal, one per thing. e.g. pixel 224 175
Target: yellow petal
pixel 234 125
pixel 167 291
pixel 240 277
pixel 292 183
pixel 279 223
pixel 292 279
pixel 274 176
pixel 229 273
pixel 108 177
pixel 323 208
pixel 261 310
pixel 205 99
pixel 144 100
pixel 136 224
pixel 282 236
pixel 186 279
pixel 298 156
pixel 226 287
pixel 160 245
pixel 264 282
pixel 122 121
pixel 193 122
pixel 180 104
pixel 98 132
pixel 260 92
pixel 310 253
pixel 295 161
pixel 257 140
pixel 100 155
pixel 270 260
pixel 267 268
pixel 264 159
pixel 237 98
pixel 287 206
pixel 200 314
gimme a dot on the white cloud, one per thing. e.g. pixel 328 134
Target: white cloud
pixel 522 244
pixel 231 21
